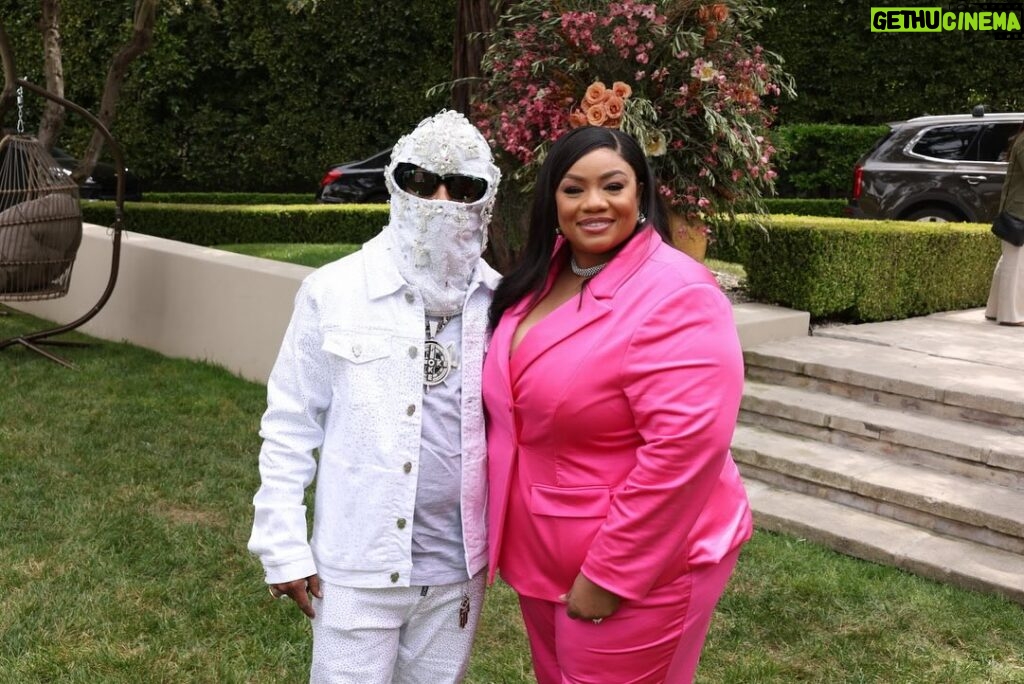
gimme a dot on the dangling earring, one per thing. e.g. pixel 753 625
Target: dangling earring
pixel 641 219
pixel 558 231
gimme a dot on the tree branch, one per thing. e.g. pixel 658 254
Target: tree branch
pixel 141 39
pixel 10 73
pixel 54 115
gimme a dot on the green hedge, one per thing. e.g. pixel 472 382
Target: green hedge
pixel 206 224
pixel 229 198
pixel 806 206
pixel 845 269
pixel 235 95
pixel 817 160
pixel 859 271
pixel 845 73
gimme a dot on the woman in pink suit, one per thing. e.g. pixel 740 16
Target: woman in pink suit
pixel 611 385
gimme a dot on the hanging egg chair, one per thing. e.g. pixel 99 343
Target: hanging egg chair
pixel 40 222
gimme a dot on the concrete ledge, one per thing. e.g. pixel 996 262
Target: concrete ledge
pixel 229 309
pixel 759 323
pixel 181 300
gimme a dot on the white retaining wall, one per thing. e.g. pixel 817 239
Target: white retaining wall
pixel 232 310
pixel 181 300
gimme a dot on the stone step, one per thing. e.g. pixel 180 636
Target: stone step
pixel 898 378
pixel 882 540
pixel 758 323
pixel 969 449
pixel 963 335
pixel 947 504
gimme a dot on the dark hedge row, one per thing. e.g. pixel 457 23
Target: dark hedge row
pixel 833 268
pixel 237 95
pixel 243 96
pixel 212 224
pixel 844 73
pixel 817 160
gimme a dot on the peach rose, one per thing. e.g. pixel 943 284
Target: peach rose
pixel 595 93
pixel 622 89
pixel 614 106
pixel 577 118
pixel 597 115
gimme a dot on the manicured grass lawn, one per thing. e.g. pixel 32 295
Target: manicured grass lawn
pixel 317 255
pixel 125 506
pixel 303 254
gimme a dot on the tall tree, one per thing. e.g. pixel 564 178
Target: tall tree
pixel 474 19
pixel 140 41
pixel 54 115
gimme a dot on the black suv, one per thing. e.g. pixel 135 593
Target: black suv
pixel 360 182
pixel 935 168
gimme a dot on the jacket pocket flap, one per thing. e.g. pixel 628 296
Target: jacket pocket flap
pixel 357 348
pixel 570 502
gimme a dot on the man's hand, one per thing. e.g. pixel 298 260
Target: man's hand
pixel 299 591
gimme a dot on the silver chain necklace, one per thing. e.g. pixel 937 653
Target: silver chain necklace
pixel 585 272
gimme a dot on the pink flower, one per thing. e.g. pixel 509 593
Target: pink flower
pixel 546 72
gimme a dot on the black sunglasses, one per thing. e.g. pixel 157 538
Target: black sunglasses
pixel 423 183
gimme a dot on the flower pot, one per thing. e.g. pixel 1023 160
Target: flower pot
pixel 691 239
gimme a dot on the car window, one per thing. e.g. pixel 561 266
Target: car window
pixel 947 142
pixel 993 143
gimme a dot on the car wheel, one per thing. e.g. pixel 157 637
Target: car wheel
pixel 932 215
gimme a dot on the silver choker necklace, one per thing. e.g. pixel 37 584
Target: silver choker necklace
pixel 585 272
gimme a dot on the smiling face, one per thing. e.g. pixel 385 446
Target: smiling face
pixel 597 202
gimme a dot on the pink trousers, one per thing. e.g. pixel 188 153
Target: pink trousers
pixel 652 641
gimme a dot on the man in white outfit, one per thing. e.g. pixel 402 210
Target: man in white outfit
pixel 376 393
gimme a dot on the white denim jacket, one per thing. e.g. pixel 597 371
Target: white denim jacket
pixel 348 382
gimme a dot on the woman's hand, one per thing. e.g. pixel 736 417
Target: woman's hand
pixel 589 601
pixel 299 591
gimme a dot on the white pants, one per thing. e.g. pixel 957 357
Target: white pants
pixel 401 635
pixel 1006 296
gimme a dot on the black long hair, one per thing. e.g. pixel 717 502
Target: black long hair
pixel 530 274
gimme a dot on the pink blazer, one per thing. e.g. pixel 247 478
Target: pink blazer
pixel 609 430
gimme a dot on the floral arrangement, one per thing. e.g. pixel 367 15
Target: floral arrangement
pixel 688 83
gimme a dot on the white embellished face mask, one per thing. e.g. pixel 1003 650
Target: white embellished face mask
pixel 438 243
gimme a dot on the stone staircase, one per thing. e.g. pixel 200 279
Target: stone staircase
pixel 901 443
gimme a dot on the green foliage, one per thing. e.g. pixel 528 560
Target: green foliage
pixel 237 95
pixel 228 198
pixel 684 77
pixel 868 270
pixel 844 73
pixel 212 224
pixel 806 207
pixel 303 254
pixel 816 160
pixel 242 96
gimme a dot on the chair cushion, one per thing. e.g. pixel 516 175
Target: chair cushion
pixel 38 242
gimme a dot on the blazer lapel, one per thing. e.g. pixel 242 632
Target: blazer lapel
pixel 593 304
